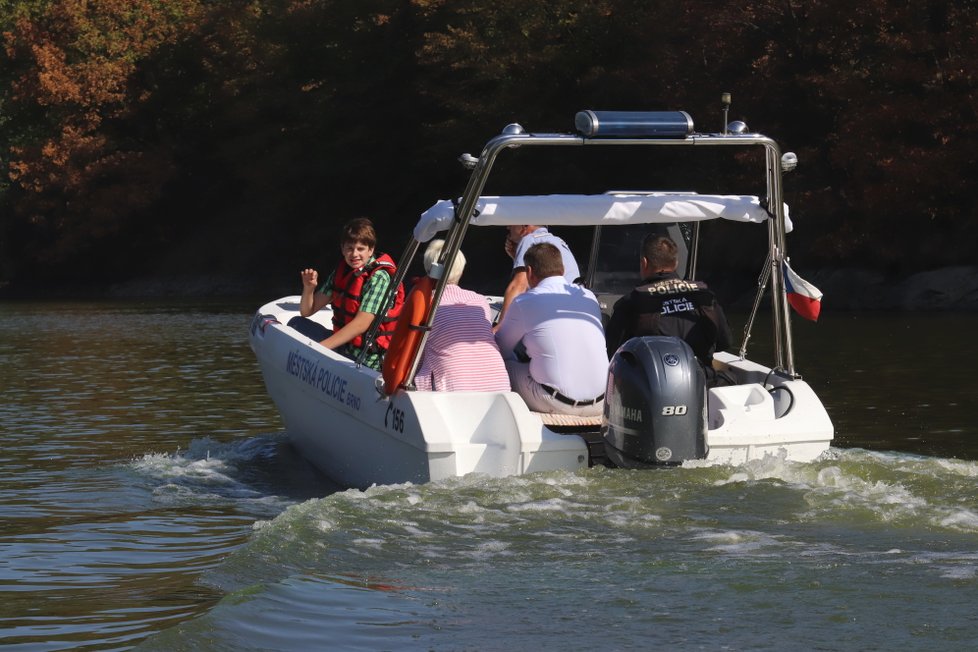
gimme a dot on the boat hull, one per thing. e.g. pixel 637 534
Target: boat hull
pixel 337 417
pixel 764 414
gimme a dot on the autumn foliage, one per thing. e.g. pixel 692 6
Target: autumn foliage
pixel 144 136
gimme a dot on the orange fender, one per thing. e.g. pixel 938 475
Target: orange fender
pixel 407 334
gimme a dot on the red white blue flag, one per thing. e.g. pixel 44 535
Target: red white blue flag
pixel 804 297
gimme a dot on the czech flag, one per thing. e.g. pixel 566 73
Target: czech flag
pixel 804 297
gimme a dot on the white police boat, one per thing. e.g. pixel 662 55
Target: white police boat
pixel 363 427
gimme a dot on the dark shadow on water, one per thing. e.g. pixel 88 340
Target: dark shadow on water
pixel 279 469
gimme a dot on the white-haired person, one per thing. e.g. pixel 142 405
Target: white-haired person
pixel 460 354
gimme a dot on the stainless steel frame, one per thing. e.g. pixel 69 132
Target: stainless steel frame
pixel 513 136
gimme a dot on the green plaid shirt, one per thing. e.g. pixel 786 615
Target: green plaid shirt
pixel 374 290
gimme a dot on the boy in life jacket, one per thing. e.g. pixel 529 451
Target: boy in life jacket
pixel 356 290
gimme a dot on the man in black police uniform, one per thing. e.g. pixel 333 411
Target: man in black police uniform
pixel 667 305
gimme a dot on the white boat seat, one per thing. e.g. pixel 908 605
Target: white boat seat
pixel 550 419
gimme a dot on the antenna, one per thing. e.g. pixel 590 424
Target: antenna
pixel 725 102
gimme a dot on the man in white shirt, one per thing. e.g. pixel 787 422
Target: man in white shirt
pixel 552 340
pixel 519 239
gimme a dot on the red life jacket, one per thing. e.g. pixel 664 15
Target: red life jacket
pixel 348 292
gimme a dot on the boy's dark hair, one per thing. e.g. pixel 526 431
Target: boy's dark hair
pixel 661 252
pixel 545 259
pixel 359 230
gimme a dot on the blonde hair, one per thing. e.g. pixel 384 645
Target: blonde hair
pixel 431 255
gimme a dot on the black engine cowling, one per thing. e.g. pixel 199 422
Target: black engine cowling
pixel 655 404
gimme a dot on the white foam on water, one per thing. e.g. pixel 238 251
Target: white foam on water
pixel 631 520
pixel 414 530
pixel 205 458
pixel 208 470
pixel 966 468
pixel 373 543
pixel 473 509
pixel 486 551
pixel 962 519
pixel 953 566
pixel 742 542
pixel 547 505
pixel 324 526
pixel 892 487
pixel 960 572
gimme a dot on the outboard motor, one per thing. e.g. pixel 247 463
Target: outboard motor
pixel 655 404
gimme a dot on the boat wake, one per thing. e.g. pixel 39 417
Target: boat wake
pixel 475 519
pixel 898 489
pixel 260 475
pixel 432 564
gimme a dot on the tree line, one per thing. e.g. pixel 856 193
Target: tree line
pixel 142 137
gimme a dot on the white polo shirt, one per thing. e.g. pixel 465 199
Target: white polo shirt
pixel 571 271
pixel 560 325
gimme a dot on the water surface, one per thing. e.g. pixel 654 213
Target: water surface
pixel 148 498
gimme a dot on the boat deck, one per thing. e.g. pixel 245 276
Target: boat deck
pixel 569 420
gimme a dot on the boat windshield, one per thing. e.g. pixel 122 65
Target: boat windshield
pixel 617 250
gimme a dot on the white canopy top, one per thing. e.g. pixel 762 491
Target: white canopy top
pixel 610 210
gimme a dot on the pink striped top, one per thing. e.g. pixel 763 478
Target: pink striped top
pixel 461 353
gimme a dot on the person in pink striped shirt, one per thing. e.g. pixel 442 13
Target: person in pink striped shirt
pixel 460 354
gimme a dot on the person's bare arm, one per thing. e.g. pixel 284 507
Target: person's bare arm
pixel 518 284
pixel 310 303
pixel 356 326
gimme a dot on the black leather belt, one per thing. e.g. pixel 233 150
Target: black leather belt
pixel 567 400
